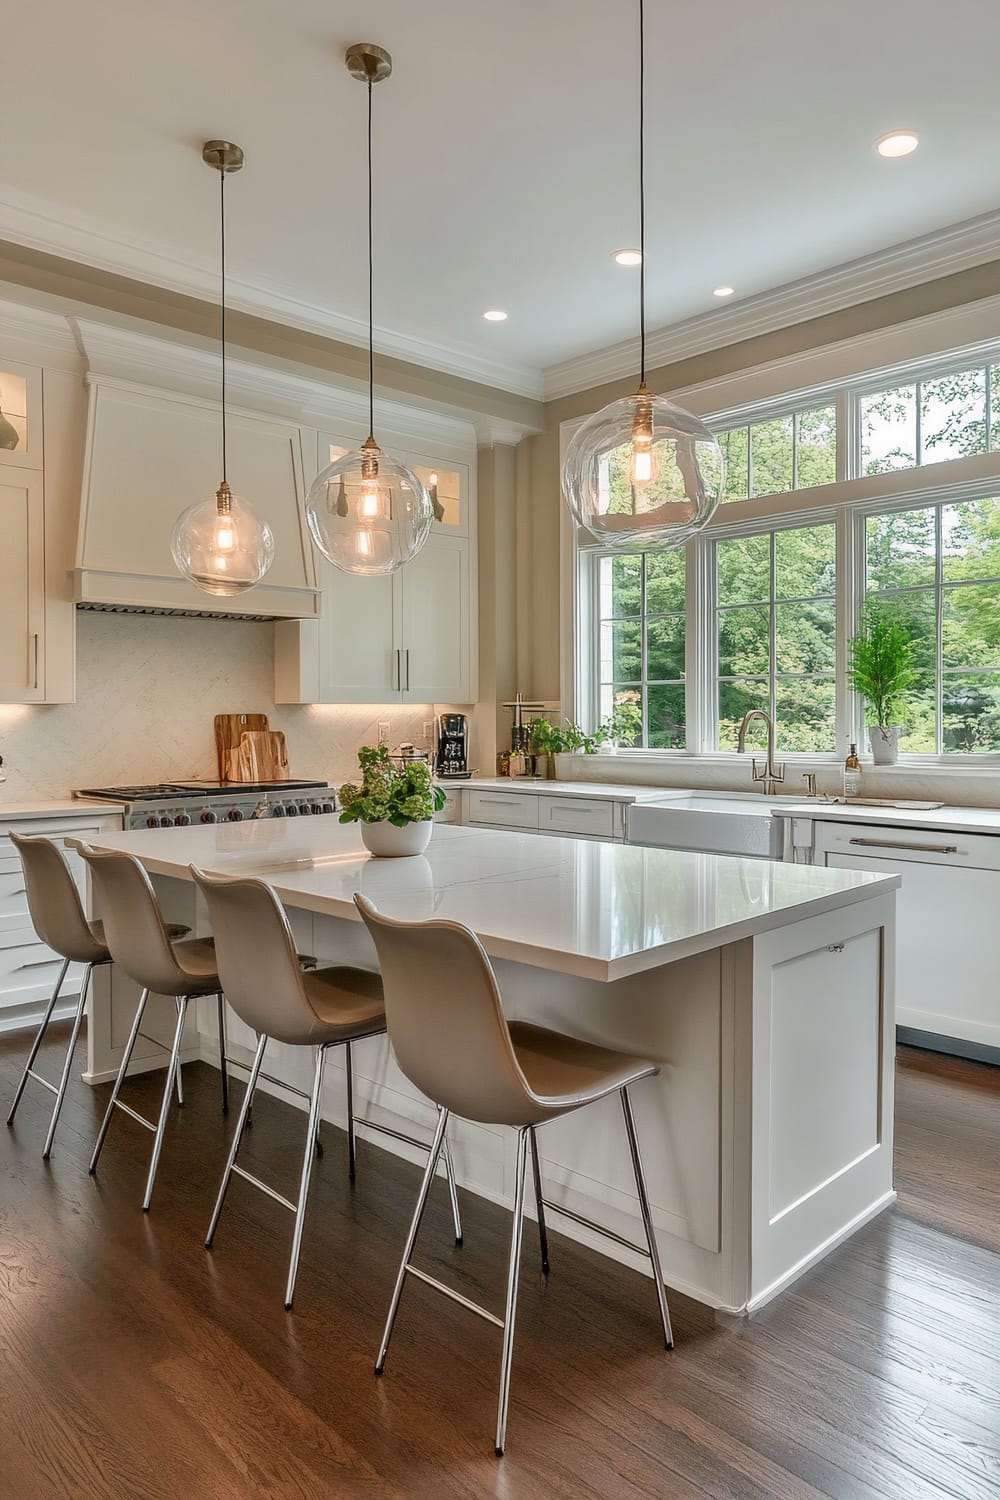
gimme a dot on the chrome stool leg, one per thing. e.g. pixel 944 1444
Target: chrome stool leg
pixel 452 1190
pixel 536 1172
pixel 647 1220
pixel 411 1237
pixel 237 1137
pixel 351 1157
pixel 173 1074
pixel 39 1035
pixel 513 1271
pixel 177 1076
pixel 122 1070
pixel 223 1057
pixel 68 1064
pixel 307 1164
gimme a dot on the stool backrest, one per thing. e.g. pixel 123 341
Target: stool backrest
pixel 257 959
pixel 133 924
pixel 53 900
pixel 445 1018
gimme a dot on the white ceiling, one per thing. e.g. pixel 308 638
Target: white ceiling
pixel 505 154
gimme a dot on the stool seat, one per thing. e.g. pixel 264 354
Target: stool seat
pixel 174 930
pixel 345 1001
pixel 195 957
pixel 564 1072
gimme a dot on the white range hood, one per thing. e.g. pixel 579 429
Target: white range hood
pixel 154 447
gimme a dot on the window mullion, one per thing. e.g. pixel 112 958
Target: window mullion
pixel 773 643
pixel 939 629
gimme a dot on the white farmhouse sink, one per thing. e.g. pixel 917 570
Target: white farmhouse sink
pixel 713 822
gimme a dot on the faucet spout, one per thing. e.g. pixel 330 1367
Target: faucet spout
pixel 771 773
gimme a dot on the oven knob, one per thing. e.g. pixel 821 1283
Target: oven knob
pixel 208 816
pixel 328 807
pixel 291 811
pixel 235 815
pixel 305 809
pixel 317 807
pixel 182 820
pixel 278 810
pixel 152 821
pixel 166 821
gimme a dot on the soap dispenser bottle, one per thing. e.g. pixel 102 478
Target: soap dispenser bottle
pixel 852 773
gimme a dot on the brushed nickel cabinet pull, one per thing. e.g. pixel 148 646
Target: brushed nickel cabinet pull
pixel 920 848
pixel 39 963
pixel 34 659
pixel 835 947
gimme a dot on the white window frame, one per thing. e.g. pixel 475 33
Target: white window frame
pixel 848 502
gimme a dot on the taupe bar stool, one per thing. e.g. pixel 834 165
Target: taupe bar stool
pixel 331 1007
pixel 58 917
pixel 453 1041
pixel 141 944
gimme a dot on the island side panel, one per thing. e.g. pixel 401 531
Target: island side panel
pixel 823 1074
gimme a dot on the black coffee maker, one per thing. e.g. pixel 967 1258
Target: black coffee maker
pixel 453 748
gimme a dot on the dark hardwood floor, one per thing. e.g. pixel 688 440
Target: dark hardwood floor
pixel 133 1364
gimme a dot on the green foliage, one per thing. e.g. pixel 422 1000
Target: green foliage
pixel 880 663
pixel 388 794
pixel 624 726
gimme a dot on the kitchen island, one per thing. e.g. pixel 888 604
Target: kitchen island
pixel 764 991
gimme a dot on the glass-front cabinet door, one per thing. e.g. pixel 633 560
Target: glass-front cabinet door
pixel 20 416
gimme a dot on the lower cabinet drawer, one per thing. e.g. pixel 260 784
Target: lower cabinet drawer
pixel 450 812
pixel 579 815
pixel 975 851
pixel 502 809
pixel 25 959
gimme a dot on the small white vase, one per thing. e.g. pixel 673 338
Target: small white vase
pixel 386 841
pixel 885 744
pixel 566 764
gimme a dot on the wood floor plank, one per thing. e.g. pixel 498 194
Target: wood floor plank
pixel 136 1366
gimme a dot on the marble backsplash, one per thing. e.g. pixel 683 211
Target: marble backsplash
pixel 148 688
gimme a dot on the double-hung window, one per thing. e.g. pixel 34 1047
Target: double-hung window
pixel 886 487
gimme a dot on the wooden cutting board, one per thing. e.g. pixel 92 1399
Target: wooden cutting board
pixel 229 730
pixel 263 756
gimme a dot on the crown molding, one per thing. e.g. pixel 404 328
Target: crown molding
pixel 956 248
pixel 45 336
pixel 32 222
pixel 122 355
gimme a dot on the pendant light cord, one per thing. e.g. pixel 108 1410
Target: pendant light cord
pixel 642 192
pixel 371 279
pixel 222 317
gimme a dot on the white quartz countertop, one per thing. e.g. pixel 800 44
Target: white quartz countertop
pixel 598 910
pixel 76 807
pixel 941 819
pixel 603 791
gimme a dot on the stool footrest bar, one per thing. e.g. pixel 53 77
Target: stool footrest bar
pixel 140 1119
pixel 43 1081
pixel 608 1234
pixel 249 1177
pixel 439 1286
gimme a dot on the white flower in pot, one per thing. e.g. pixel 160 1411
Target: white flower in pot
pixel 880 667
pixel 395 807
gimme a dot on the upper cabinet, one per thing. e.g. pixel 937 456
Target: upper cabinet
pixel 411 636
pixel 20 416
pixel 22 588
pixel 149 455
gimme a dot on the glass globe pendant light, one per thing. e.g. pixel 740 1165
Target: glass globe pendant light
pixel 221 545
pixel 643 472
pixel 366 512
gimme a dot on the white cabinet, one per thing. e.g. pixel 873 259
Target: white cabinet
pixel 22 586
pixel 946 961
pixel 567 816
pixel 28 967
pixel 409 637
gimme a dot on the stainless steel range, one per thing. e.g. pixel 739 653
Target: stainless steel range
pixel 175 804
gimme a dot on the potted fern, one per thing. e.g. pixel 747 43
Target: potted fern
pixel 880 658
pixel 395 806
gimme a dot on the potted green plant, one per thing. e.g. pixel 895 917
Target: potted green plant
pixel 880 658
pixel 394 805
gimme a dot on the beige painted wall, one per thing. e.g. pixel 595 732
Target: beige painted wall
pixel 539 499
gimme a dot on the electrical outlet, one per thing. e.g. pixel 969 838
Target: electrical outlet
pixel 384 731
pixel 428 730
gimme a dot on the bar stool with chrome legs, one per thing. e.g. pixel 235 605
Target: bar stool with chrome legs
pixel 332 1007
pixel 453 1041
pixel 58 917
pixel 141 944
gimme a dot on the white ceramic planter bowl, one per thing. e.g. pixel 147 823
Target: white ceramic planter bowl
pixel 885 745
pixel 386 841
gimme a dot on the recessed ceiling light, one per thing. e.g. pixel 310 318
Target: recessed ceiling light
pixel 495 315
pixel 897 143
pixel 723 291
pixel 627 257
